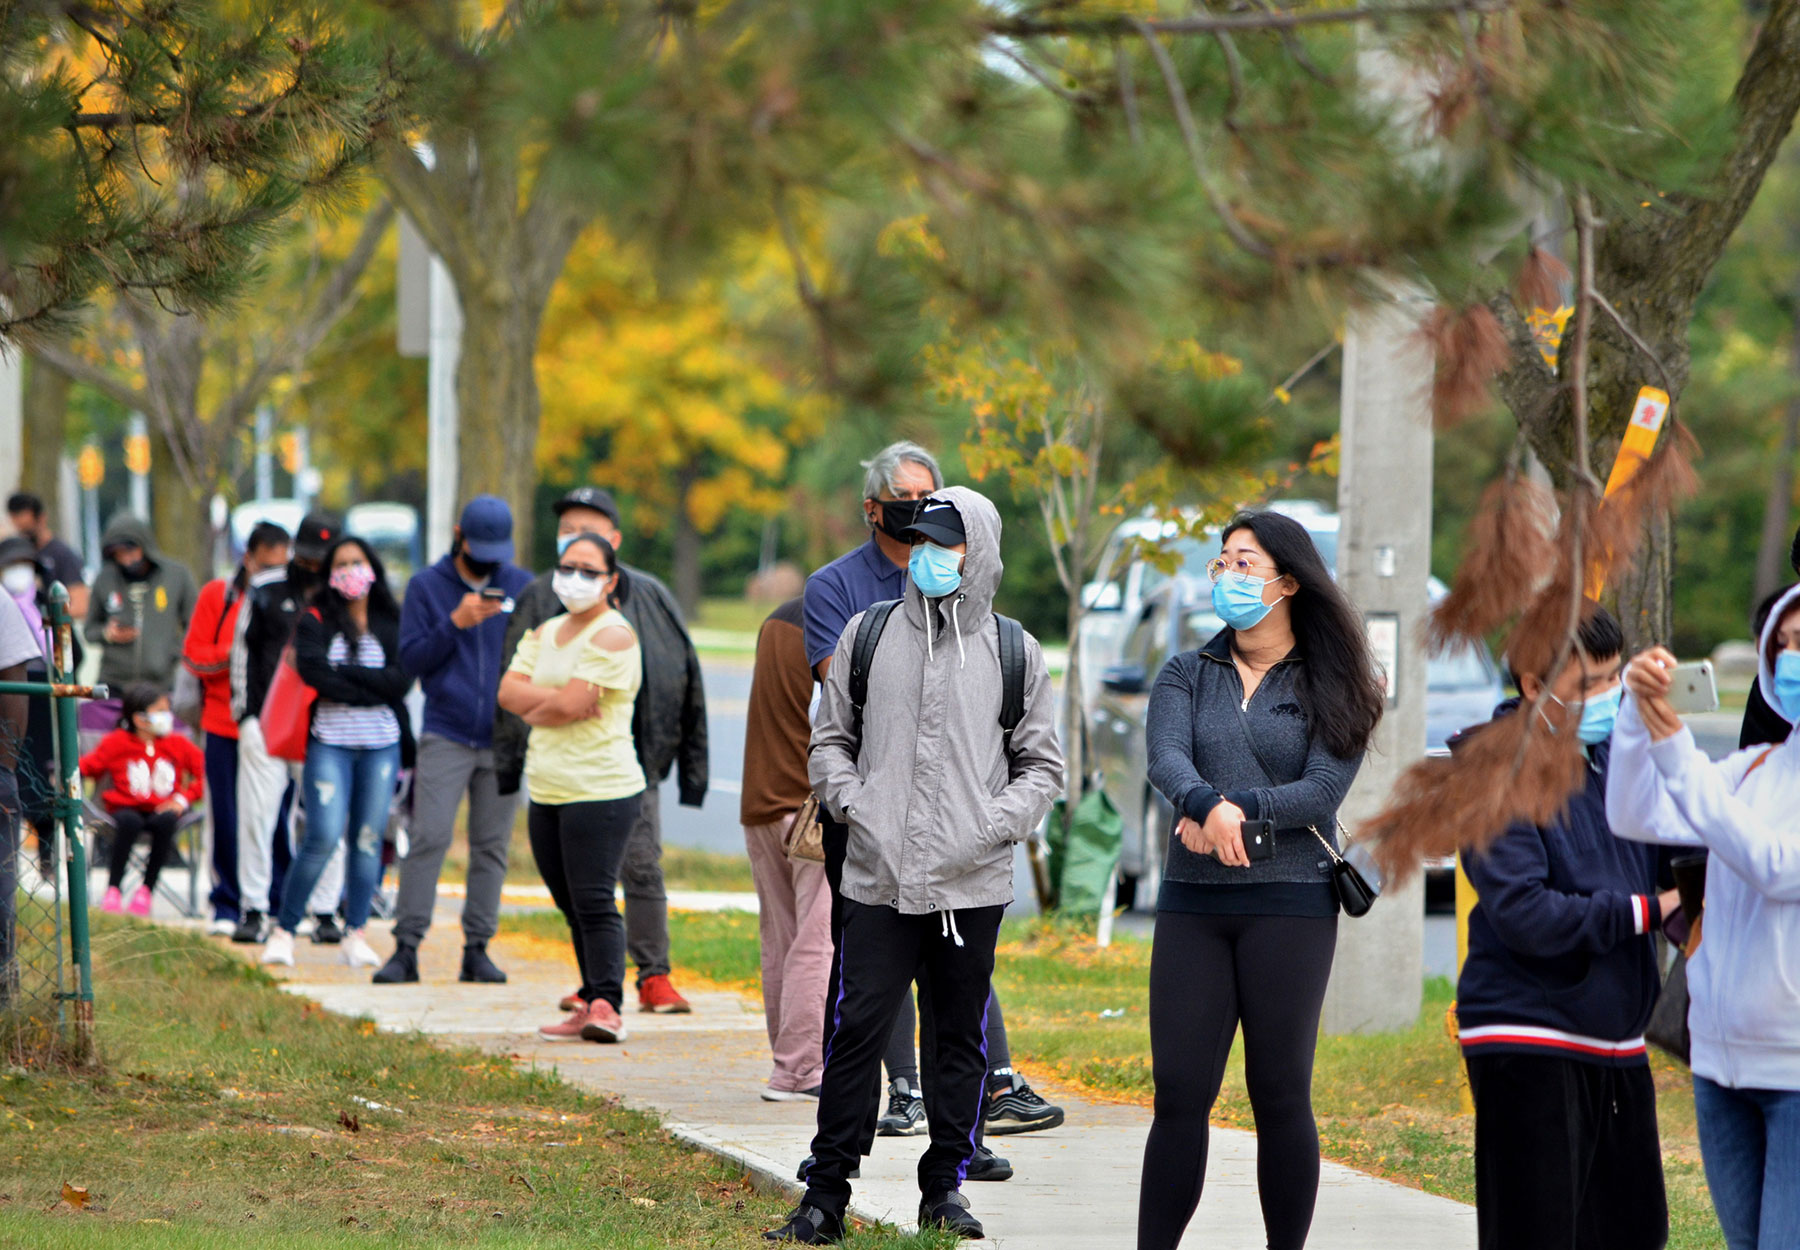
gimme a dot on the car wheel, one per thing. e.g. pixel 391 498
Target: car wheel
pixel 1156 851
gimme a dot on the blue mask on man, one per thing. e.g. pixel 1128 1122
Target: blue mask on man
pixel 1598 715
pixel 1787 684
pixel 935 570
pixel 563 541
pixel 1238 600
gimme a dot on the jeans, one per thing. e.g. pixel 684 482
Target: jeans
pixel 9 883
pixel 578 848
pixel 646 901
pixel 347 791
pixel 221 806
pixel 1750 1142
pixel 265 793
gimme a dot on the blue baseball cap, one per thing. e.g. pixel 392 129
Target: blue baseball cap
pixel 486 527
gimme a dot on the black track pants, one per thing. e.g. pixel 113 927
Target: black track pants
pixel 131 823
pixel 1208 975
pixel 1567 1155
pixel 880 954
pixel 836 840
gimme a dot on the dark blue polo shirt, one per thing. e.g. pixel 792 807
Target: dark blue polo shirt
pixel 841 589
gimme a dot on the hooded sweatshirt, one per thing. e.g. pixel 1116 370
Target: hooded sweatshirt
pixel 934 800
pixel 1744 978
pixel 158 605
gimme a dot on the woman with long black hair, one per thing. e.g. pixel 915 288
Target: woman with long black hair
pixel 347 648
pixel 1267 722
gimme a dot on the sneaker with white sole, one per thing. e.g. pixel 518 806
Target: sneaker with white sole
pixel 771 1094
pixel 219 926
pixel 1014 1107
pixel 905 1114
pixel 357 952
pixel 279 949
pixel 568 1029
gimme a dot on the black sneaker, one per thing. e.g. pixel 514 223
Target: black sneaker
pixel 251 929
pixel 905 1115
pixel 402 967
pixel 809 1226
pixel 988 1166
pixel 1016 1108
pixel 806 1163
pixel 478 967
pixel 326 930
pixel 950 1212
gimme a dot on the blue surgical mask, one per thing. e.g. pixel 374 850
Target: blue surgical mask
pixel 1787 684
pixel 1238 600
pixel 935 570
pixel 1598 715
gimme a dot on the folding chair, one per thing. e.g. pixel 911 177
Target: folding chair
pixel 188 854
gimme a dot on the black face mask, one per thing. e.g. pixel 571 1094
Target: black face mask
pixel 480 569
pixel 137 570
pixel 300 578
pixel 897 514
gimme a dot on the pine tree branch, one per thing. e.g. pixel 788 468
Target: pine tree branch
pixel 86 371
pixel 1271 19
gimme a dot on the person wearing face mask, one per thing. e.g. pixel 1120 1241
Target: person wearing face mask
pixel 139 609
pixel 1558 986
pixel 1266 722
pixel 23 576
pixel 453 638
pixel 1743 996
pixel 59 560
pixel 154 775
pixel 207 654
pixel 346 647
pixel 668 730
pixel 273 600
pixel 574 680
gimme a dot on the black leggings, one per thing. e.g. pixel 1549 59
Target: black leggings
pixel 1208 974
pixel 901 1062
pixel 129 823
pixel 579 848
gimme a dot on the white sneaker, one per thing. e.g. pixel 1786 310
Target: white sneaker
pixel 357 952
pixel 280 948
pixel 221 927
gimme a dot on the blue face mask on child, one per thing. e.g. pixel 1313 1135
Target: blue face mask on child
pixel 1787 684
pixel 935 570
pixel 1238 601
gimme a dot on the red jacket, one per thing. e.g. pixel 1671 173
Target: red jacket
pixel 146 774
pixel 207 653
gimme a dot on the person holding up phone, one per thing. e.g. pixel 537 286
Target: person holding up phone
pixel 1258 733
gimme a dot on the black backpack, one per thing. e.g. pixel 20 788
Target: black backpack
pixel 1012 667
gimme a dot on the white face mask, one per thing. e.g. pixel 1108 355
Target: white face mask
pixel 162 724
pixel 577 593
pixel 19 579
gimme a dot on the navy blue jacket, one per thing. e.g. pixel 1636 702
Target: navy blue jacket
pixel 460 669
pixel 1562 954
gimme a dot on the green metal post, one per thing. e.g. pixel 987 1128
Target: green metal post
pixel 68 815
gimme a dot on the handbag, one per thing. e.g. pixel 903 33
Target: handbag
pixel 805 837
pixel 286 716
pixel 1668 1026
pixel 1357 882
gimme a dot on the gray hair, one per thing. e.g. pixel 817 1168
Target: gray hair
pixel 880 472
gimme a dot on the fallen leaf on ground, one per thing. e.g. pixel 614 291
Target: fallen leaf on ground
pixel 75 1195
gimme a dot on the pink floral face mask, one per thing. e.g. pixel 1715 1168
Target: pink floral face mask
pixel 352 580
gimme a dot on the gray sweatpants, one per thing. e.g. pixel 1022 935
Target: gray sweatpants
pixel 646 903
pixel 445 772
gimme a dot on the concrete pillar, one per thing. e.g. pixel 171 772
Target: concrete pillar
pixel 1384 561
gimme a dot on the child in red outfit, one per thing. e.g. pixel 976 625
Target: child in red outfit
pixel 155 776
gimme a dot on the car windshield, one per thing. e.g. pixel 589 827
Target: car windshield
pixel 1463 669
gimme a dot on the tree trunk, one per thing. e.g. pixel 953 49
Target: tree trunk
pixel 497 406
pixel 45 433
pixel 179 514
pixel 1772 554
pixel 686 569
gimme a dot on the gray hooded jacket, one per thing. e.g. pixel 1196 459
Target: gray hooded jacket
pixel 935 802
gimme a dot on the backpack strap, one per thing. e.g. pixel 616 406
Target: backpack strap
pixel 862 655
pixel 1012 676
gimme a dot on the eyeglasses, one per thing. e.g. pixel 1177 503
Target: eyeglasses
pixel 586 575
pixel 1239 568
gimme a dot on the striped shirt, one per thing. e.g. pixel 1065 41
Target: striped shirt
pixel 346 725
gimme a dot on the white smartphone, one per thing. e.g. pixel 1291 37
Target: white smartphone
pixel 1694 688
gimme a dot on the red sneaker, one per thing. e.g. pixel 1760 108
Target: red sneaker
pixel 603 1023
pixel 657 993
pixel 570 1001
pixel 569 1028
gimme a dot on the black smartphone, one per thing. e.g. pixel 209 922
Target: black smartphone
pixel 493 592
pixel 1259 840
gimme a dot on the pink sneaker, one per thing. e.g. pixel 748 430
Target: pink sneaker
pixel 140 902
pixel 114 902
pixel 603 1023
pixel 568 1029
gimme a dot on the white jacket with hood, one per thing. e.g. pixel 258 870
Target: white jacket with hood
pixel 933 801
pixel 1744 980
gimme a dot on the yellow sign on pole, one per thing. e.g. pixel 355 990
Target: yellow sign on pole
pixel 137 453
pixel 1647 416
pixel 90 467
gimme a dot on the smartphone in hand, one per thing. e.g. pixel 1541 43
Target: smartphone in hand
pixel 1694 688
pixel 1259 840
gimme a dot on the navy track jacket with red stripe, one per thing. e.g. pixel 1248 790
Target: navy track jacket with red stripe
pixel 1562 954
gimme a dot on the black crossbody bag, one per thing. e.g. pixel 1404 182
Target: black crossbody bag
pixel 1356 889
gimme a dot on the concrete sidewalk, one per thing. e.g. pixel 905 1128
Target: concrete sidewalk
pixel 1076 1186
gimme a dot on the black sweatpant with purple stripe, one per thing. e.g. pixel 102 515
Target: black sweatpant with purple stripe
pixel 879 956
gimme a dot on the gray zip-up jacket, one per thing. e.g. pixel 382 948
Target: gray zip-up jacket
pixel 1198 755
pixel 933 801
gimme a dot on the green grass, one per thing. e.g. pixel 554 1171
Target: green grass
pixel 684 868
pixel 720 946
pixel 1387 1104
pixel 226 1114
pixel 733 614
